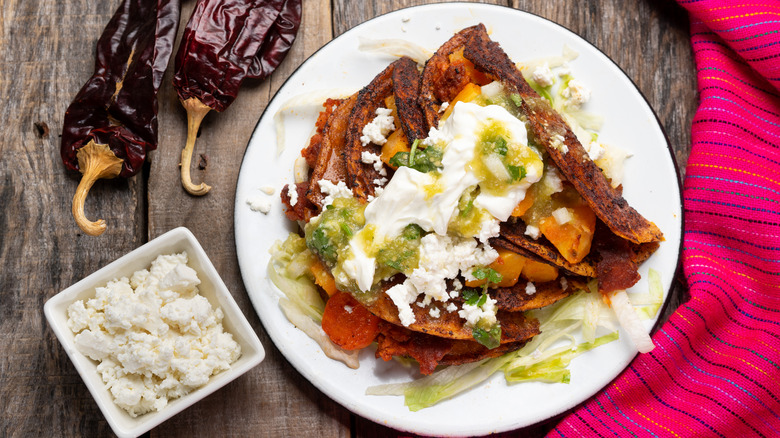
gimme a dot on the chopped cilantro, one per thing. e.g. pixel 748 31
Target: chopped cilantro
pixel 422 160
pixel 516 99
pixel 465 212
pixel 489 338
pixel 412 151
pixel 345 229
pixel 412 232
pixel 489 274
pixel 516 172
pixel 500 146
pixel 471 296
pixel 322 245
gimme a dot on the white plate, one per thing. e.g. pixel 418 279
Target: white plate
pixel 651 186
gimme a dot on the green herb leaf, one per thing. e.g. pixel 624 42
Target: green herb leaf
pixel 489 274
pixel 500 146
pixel 516 99
pixel 412 151
pixel 395 265
pixel 489 338
pixel 421 160
pixel 482 300
pixel 471 296
pixel 412 232
pixel 400 159
pixel 322 245
pixel 345 229
pixel 465 212
pixel 516 172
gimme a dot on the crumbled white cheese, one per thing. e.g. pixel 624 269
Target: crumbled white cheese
pixel 348 308
pixel 376 131
pixel 333 191
pixel 375 160
pixel 530 288
pixel 441 258
pixel 564 283
pixel 434 312
pixel 552 180
pixel 557 142
pixel 594 149
pixel 543 76
pixel 458 286
pixel 156 338
pixel 405 18
pixel 490 228
pixel 259 203
pixel 402 297
pixel 485 314
pixel 268 190
pixel 292 192
pixel 576 94
pixel 444 257
pixel 532 232
pixel 451 307
pixel 444 107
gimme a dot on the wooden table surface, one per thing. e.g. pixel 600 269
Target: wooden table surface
pixel 46 54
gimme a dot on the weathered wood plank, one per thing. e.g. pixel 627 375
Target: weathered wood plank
pixel 43 63
pixel 272 399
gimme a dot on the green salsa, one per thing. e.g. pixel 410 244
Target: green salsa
pixel 499 162
pixel 329 233
pixel 401 254
pixel 468 220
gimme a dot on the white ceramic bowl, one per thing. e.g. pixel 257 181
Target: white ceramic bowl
pixel 212 288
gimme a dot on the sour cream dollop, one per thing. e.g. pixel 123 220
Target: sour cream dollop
pixel 431 199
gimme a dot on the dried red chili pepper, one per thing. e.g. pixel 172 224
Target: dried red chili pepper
pixel 225 42
pixel 112 122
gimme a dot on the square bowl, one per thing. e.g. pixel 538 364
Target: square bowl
pixel 211 287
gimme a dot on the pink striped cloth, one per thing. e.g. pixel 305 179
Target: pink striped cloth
pixel 715 370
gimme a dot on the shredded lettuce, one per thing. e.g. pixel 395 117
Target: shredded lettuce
pixel 302 305
pixel 647 304
pixel 395 47
pixel 299 289
pixel 542 359
pixel 441 385
pixel 567 54
pixel 554 369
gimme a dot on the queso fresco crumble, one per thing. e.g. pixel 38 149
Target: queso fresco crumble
pixel 154 336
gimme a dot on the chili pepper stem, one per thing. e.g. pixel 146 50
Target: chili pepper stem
pixel 196 111
pixel 96 161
